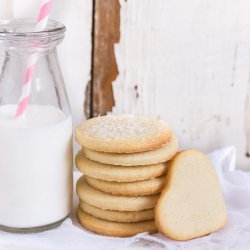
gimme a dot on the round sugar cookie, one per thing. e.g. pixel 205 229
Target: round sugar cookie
pixel 109 172
pixel 146 187
pixel 115 229
pixel 163 154
pixel 119 216
pixel 103 200
pixel 122 133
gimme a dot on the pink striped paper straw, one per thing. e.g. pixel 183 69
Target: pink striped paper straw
pixel 32 59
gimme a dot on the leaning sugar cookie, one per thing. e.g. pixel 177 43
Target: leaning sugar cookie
pixel 191 204
pixel 119 173
pixel 119 216
pixel 146 187
pixel 103 200
pixel 162 154
pixel 116 229
pixel 122 133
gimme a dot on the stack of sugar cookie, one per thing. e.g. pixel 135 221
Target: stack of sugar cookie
pixel 124 161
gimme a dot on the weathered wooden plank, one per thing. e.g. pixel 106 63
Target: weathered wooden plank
pixel 188 62
pixel 104 70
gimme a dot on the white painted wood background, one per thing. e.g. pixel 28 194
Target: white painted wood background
pixel 188 62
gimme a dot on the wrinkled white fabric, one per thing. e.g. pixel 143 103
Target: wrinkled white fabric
pixel 236 235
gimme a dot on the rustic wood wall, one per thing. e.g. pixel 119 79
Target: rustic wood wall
pixel 187 62
pixel 106 32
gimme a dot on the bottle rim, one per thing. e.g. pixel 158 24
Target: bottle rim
pixel 23 29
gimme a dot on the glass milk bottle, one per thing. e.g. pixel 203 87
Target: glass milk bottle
pixel 35 147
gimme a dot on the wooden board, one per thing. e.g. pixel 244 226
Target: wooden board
pixel 106 33
pixel 188 62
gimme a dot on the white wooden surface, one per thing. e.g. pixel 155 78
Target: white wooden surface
pixel 75 50
pixel 188 62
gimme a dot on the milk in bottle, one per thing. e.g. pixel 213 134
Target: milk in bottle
pixel 35 147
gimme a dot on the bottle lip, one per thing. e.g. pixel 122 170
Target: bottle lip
pixel 24 28
pixel 19 35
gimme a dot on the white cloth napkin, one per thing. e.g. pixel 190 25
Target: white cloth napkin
pixel 236 235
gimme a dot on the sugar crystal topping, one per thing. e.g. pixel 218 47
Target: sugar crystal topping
pixel 124 127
